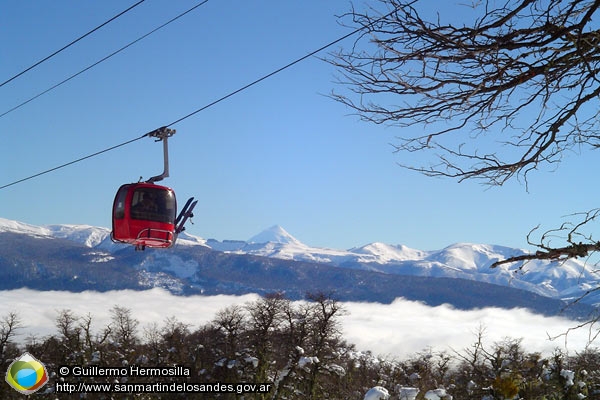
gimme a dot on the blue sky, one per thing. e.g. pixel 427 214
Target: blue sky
pixel 280 152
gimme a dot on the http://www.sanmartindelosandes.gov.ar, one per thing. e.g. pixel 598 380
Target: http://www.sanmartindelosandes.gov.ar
pixel 26 374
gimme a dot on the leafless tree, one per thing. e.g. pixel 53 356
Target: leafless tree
pixel 232 322
pixel 506 91
pixel 9 324
pixel 264 318
pixel 123 327
pixel 70 330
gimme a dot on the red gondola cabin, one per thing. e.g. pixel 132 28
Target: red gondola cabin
pixel 144 215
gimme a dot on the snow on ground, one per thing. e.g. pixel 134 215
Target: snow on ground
pixel 377 393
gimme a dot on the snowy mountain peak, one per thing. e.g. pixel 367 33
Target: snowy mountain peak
pixel 7 225
pixel 385 252
pixel 87 235
pixel 274 234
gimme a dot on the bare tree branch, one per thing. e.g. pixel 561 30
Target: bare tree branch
pixel 529 60
pixel 491 99
pixel 579 245
pixel 557 254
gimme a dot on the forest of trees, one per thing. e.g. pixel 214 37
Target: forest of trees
pixel 296 350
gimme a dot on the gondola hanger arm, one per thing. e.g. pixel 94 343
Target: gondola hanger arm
pixel 162 134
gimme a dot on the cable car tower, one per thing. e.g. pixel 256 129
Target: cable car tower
pixel 145 214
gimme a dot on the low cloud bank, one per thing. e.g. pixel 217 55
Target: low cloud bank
pixel 397 330
pixel 406 327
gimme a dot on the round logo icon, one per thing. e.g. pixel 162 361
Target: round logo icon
pixel 26 374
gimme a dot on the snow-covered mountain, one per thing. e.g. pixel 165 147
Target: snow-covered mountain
pixel 565 281
pixel 85 234
pixel 275 234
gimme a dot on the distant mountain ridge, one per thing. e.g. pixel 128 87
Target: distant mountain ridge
pixel 565 280
pixel 74 257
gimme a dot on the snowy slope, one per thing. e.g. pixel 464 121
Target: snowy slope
pixel 384 253
pixel 565 281
pixel 274 234
pixel 90 236
pixel 277 243
pixel 7 225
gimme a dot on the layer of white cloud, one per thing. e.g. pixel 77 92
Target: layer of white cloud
pixel 404 328
pixel 398 330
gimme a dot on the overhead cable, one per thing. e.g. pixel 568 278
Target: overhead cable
pixel 72 162
pixel 312 53
pixel 206 106
pixel 103 59
pixel 70 44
